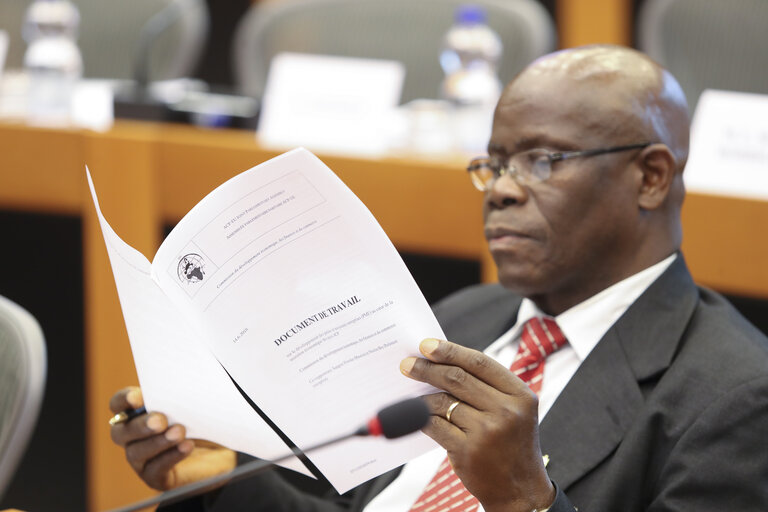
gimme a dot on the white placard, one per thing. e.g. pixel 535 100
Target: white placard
pixel 729 145
pixel 333 104
pixel 92 105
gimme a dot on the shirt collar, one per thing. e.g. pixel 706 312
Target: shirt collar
pixel 586 323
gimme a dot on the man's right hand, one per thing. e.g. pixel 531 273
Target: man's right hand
pixel 161 455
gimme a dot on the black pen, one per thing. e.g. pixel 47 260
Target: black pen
pixel 126 415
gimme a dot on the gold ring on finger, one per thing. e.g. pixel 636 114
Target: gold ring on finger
pixel 118 418
pixel 450 410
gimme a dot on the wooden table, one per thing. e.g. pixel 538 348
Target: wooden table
pixel 148 175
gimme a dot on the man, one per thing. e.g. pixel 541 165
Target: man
pixel 658 401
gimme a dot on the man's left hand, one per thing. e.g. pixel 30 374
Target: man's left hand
pixel 492 437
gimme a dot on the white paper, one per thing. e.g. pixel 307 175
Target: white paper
pixel 729 145
pixel 178 374
pixel 337 104
pixel 289 282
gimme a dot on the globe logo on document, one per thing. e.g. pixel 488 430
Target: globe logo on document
pixel 191 269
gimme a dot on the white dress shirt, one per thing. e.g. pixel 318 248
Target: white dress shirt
pixel 583 325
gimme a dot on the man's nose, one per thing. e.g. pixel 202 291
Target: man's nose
pixel 506 191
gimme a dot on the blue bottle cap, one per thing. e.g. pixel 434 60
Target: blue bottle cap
pixel 469 14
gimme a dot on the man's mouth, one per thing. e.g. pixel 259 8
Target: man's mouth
pixel 500 238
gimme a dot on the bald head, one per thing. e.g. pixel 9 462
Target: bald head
pixel 620 89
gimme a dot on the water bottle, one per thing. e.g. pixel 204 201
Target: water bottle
pixel 469 57
pixel 53 61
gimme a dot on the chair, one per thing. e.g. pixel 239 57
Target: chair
pixel 111 33
pixel 22 380
pixel 410 31
pixel 708 43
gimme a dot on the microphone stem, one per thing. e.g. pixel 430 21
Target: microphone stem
pixel 240 472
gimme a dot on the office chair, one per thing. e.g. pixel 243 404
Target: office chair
pixel 113 32
pixel 22 381
pixel 410 31
pixel 708 43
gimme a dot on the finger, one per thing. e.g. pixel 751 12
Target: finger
pixel 140 452
pixel 126 398
pixel 159 471
pixel 140 427
pixel 455 380
pixel 472 361
pixel 462 415
pixel 445 434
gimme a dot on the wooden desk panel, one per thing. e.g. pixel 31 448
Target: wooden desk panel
pixel 725 242
pixel 148 174
pixel 38 169
pixel 594 21
pixel 424 206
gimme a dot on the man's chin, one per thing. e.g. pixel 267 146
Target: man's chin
pixel 520 282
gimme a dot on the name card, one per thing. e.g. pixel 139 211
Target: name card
pixel 729 145
pixel 333 104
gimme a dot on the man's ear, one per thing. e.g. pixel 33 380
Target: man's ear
pixel 659 167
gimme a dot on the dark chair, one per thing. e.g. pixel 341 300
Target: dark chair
pixel 409 31
pixel 708 44
pixel 22 381
pixel 111 33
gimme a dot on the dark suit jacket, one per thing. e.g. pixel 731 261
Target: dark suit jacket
pixel 668 413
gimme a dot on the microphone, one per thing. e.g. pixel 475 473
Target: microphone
pixel 394 421
pixel 397 420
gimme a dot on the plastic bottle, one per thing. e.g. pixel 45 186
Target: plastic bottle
pixel 52 60
pixel 469 58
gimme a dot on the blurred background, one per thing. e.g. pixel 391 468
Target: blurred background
pixel 163 98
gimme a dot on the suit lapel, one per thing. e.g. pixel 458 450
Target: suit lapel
pixel 592 414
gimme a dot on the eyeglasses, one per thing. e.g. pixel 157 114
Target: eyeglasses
pixel 529 167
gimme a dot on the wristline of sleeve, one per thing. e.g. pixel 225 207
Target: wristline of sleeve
pixel 561 503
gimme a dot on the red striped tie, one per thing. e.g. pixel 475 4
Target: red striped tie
pixel 540 337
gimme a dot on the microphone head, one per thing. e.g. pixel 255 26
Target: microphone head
pixel 400 419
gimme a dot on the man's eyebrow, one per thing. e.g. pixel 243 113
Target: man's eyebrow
pixel 539 141
pixel 495 148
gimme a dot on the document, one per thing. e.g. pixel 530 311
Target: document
pixel 282 281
